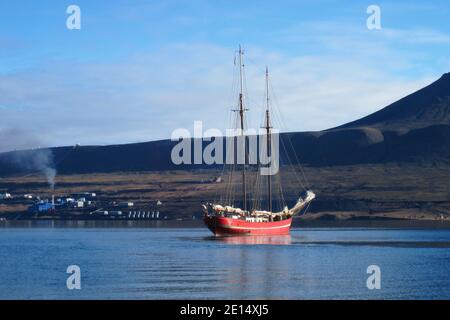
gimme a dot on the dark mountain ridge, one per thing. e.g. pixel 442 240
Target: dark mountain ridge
pixel 414 129
pixel 426 107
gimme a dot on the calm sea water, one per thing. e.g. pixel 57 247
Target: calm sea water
pixel 187 263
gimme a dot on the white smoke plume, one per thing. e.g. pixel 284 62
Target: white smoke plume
pixel 40 160
pixel 32 160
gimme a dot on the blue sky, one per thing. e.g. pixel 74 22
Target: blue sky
pixel 137 70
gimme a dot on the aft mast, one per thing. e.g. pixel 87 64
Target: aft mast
pixel 241 113
pixel 269 151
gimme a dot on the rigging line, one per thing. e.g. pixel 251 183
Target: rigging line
pixel 246 96
pixel 232 189
pixel 287 135
pixel 279 192
pixel 262 105
pixel 232 186
pixel 289 161
pixel 258 193
pixel 254 63
pixel 279 120
pixel 283 202
pixel 233 122
pixel 232 168
pixel 307 208
pixel 290 164
pixel 228 169
pixel 228 186
pixel 254 195
pixel 229 190
pixel 226 123
pixel 289 139
pixel 224 163
pixel 228 198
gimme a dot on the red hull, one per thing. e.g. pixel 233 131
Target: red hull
pixel 222 226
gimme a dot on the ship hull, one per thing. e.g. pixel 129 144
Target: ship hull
pixel 223 226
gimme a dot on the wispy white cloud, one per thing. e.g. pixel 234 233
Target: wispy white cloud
pixel 416 36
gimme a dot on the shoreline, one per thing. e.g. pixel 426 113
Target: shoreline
pixel 338 216
pixel 406 215
pixel 186 224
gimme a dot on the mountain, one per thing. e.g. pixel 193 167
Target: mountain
pixel 429 106
pixel 414 129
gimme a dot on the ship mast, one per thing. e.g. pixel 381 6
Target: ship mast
pixel 269 151
pixel 241 113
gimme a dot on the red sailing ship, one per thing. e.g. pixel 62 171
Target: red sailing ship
pixel 227 220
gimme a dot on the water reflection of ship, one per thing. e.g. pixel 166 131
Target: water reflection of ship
pixel 248 264
pixel 260 240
